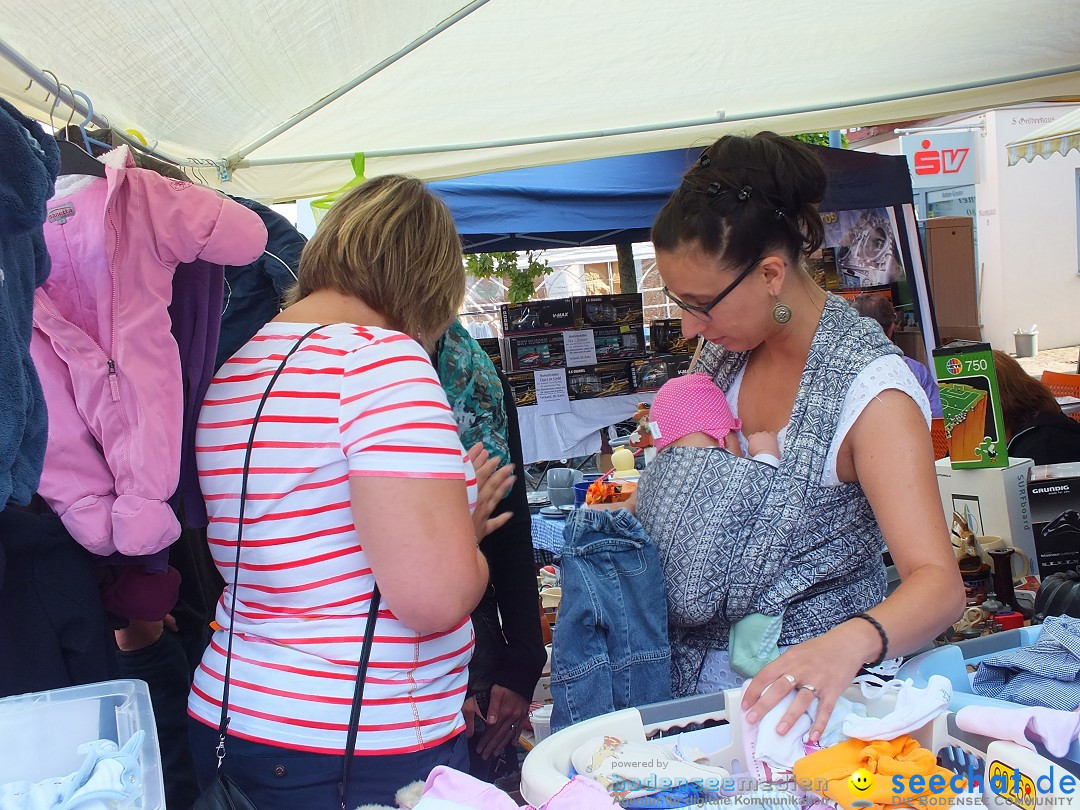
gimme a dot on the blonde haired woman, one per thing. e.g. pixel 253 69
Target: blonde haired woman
pixel 356 477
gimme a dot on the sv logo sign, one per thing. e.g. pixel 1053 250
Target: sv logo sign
pixel 939 161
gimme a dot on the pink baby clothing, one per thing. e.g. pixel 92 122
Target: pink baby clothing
pixel 1054 728
pixel 449 789
pixel 691 404
pixel 102 345
pixel 581 793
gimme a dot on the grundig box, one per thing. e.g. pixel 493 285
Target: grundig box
pixel 1054 496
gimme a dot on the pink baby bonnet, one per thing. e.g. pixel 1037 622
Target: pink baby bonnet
pixel 691 404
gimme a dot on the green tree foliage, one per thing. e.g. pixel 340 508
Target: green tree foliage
pixel 520 281
pixel 820 138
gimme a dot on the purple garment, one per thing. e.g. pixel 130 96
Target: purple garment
pixel 196 323
pixel 928 384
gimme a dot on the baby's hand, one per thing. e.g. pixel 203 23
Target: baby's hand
pixel 763 442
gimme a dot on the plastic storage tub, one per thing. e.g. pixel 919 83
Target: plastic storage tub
pixel 40 733
pixel 952 661
pixel 547 767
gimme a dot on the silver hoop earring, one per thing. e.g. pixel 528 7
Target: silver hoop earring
pixel 781 313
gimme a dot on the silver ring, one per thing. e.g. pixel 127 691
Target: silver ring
pixel 809 688
pixel 789 678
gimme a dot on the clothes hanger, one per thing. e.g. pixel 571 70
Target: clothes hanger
pixel 73 160
pixel 89 142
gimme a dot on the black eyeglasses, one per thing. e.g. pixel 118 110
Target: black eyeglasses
pixel 703 311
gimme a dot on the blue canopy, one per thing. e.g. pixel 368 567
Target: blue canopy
pixel 612 200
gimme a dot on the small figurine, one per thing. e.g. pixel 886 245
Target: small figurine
pixel 623 462
pixel 644 436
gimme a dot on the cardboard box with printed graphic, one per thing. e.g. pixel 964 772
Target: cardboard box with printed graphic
pixel 620 309
pixel 526 352
pixel 991 500
pixel 537 316
pixel 493 348
pixel 523 384
pixel 653 372
pixel 1054 496
pixel 619 343
pixel 601 380
pixel 971 405
pixel 666 337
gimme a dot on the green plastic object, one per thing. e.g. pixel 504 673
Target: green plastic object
pixel 321 206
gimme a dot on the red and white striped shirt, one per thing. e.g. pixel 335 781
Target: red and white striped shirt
pixel 351 401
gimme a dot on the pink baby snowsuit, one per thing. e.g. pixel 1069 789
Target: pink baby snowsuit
pixel 109 366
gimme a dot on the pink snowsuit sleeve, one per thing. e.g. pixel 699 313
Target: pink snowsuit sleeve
pixel 191 222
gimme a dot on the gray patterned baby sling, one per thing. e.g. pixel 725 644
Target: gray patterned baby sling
pixel 737 537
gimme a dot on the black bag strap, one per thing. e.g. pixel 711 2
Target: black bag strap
pixel 223 723
pixel 369 630
pixel 358 693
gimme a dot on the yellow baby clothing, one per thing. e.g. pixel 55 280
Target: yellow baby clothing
pixel 891 765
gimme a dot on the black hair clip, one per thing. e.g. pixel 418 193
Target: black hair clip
pixel 714 189
pixel 779 213
pixel 744 193
pixel 704 160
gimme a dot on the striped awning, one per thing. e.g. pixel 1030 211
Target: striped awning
pixel 1057 138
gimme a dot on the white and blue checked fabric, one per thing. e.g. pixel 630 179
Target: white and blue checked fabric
pixel 547 534
pixel 1047 673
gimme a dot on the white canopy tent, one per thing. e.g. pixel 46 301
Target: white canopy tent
pixel 280 93
pixel 1058 137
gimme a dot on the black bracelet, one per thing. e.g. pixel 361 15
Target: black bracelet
pixel 881 632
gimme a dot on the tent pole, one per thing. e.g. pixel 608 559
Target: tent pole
pixel 461 14
pixel 466 147
pixel 750 116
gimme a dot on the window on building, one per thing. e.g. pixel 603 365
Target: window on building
pixel 602 278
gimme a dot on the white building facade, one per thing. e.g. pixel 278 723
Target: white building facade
pixel 1027 224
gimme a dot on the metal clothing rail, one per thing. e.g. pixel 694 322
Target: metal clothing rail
pixel 67 96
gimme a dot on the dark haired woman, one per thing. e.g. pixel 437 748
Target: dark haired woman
pixel 1034 424
pixel 798 550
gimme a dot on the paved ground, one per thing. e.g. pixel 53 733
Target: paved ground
pixel 1063 359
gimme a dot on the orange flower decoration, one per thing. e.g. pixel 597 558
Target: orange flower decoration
pixel 606 491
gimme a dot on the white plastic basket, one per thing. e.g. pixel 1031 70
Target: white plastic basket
pixel 547 767
pixel 40 732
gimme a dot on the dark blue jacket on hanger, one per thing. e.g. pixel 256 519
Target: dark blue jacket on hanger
pixel 610 647
pixel 253 292
pixel 29 163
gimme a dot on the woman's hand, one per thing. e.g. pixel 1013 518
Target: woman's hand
pixel 470 711
pixel 827 663
pixel 507 710
pixel 492 482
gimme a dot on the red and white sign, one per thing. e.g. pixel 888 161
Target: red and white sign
pixel 938 159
